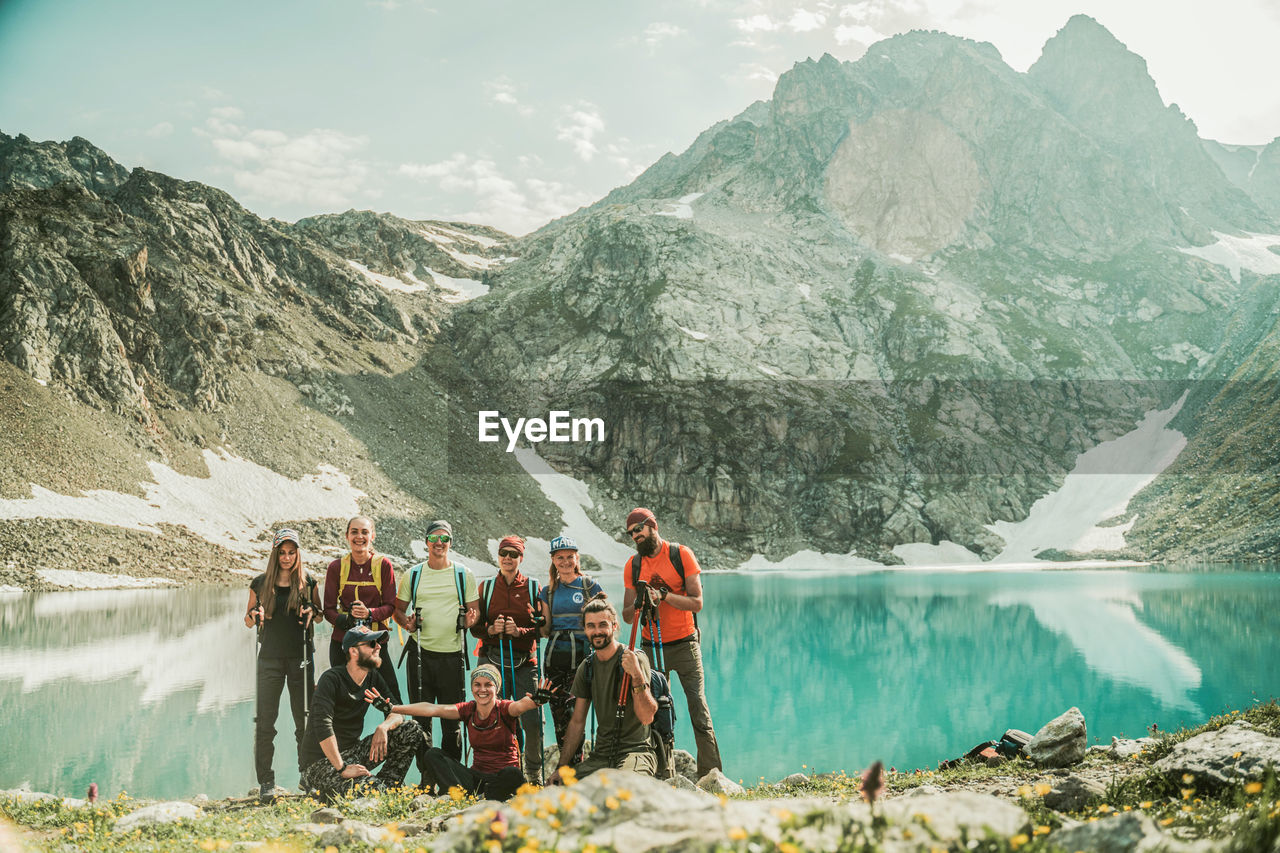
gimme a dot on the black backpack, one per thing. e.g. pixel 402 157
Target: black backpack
pixel 664 721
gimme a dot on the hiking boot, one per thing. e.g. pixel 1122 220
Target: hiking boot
pixel 268 793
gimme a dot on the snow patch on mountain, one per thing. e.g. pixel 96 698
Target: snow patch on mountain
pixel 1251 252
pixel 574 499
pixel 682 209
pixel 234 506
pixel 390 283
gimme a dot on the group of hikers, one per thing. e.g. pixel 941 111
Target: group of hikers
pixel 581 666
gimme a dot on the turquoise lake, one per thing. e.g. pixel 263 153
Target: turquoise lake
pixel 152 691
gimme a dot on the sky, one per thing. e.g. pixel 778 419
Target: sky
pixel 513 113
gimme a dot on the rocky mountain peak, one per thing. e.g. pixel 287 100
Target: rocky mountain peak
pixel 40 165
pixel 1093 79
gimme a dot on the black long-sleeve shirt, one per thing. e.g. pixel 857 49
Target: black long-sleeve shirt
pixel 338 708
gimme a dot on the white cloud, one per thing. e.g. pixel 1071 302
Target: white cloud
pixel 657 32
pixel 757 24
pixel 318 167
pixel 857 34
pixel 503 91
pixel 755 71
pixel 514 205
pixel 803 21
pixel 580 127
pixel 160 129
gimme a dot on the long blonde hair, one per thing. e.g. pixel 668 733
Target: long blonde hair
pixel 297 594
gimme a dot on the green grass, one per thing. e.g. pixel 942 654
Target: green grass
pixel 1246 815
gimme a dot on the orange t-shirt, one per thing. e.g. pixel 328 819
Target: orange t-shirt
pixel 675 624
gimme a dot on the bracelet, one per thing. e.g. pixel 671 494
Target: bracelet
pixel 343 767
pixel 639 688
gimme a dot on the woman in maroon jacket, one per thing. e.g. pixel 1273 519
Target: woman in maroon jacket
pixel 360 589
pixel 491 729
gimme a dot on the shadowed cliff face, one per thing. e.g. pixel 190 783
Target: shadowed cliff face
pixel 846 306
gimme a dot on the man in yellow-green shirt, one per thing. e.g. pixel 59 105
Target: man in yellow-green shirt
pixel 436 601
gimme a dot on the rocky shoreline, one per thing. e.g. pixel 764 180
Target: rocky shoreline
pixel 1212 788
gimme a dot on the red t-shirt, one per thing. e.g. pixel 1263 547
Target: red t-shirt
pixel 676 624
pixel 493 739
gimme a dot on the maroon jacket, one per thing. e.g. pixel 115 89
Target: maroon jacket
pixel 507 600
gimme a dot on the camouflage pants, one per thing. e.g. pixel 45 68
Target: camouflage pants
pixel 404 742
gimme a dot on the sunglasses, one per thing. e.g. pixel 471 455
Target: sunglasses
pixel 515 555
pixel 632 531
pixel 439 537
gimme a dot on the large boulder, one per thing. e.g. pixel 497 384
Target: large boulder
pixel 1061 742
pixel 638 814
pixel 1231 754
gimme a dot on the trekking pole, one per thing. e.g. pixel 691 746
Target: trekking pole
pixel 642 602
pixel 537 679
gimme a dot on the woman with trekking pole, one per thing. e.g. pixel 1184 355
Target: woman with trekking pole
pixel 283 603
pixel 562 601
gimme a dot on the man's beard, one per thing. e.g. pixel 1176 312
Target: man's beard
pixel 648 546
pixel 600 641
pixel 365 660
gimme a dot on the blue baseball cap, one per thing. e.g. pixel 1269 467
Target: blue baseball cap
pixel 563 543
pixel 360 634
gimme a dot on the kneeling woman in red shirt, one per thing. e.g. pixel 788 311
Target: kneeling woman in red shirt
pixel 491 728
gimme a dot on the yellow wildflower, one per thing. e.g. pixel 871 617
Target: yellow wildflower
pixel 1145 804
pixel 737 834
pixel 1236 754
pixel 1187 792
pixel 590 848
pixel 1041 830
pixel 1024 790
pixel 1018 840
pixel 1187 778
pixel 611 803
pixel 623 794
pixel 1253 788
pixel 788 847
pixel 208 844
pixel 1104 808
pixel 782 814
pixel 456 793
pixel 493 845
pixel 724 800
pixel 1186 808
pixel 1043 788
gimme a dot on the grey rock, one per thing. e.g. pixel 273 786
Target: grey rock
pixel 1061 742
pixel 716 782
pixel 412 828
pixel 1234 753
pixel 354 832
pixel 167 812
pixel 1127 832
pixel 796 779
pixel 959 812
pixel 685 764
pixel 1072 793
pixel 327 815
pixel 684 783
pixel 363 804
pixel 922 791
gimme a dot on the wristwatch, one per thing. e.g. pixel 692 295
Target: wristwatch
pixel 639 688
pixel 663 596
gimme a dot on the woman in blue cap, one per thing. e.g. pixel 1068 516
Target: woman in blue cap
pixel 562 600
pixel 282 604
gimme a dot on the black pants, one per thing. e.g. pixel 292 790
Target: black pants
pixel 403 743
pixel 443 682
pixel 337 657
pixel 273 675
pixel 561 667
pixel 445 772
